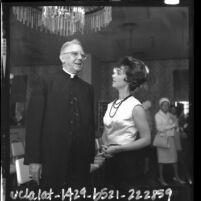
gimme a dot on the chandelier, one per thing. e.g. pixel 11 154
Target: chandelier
pixel 65 20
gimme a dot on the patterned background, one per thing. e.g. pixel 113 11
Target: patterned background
pixel 159 84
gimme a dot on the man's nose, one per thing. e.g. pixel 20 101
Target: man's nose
pixel 79 56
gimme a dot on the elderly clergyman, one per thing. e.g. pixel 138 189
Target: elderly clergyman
pixel 60 124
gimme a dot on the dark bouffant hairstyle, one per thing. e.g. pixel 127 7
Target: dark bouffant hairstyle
pixel 135 70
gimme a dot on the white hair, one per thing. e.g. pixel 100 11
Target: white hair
pixel 68 43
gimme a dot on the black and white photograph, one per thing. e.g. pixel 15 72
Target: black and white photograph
pixel 96 100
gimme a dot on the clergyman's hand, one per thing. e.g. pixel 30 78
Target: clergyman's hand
pixel 35 171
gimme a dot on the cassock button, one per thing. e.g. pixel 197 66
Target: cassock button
pixel 71 122
pixel 75 99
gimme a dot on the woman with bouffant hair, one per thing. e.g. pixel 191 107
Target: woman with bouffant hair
pixel 126 129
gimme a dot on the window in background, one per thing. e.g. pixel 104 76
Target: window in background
pixel 181 85
pixel 185 106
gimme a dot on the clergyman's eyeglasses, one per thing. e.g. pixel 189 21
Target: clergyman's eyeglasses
pixel 76 54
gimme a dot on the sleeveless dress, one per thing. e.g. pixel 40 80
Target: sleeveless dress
pixel 125 167
pixel 120 129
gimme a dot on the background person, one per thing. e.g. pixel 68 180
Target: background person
pixel 187 144
pixel 174 117
pixel 150 156
pixel 166 126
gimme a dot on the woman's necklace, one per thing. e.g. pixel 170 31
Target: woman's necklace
pixel 115 106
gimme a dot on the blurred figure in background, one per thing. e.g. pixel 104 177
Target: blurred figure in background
pixel 187 143
pixel 150 154
pixel 147 106
pixel 166 126
pixel 174 117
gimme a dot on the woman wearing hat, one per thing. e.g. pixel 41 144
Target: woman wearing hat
pixel 166 126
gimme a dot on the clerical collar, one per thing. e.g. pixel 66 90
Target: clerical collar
pixel 71 74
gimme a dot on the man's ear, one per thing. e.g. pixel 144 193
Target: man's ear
pixel 61 59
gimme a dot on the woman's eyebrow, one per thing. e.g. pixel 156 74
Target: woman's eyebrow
pixel 121 71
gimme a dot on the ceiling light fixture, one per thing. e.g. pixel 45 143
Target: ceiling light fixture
pixel 172 2
pixel 65 20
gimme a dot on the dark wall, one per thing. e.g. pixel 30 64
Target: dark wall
pixel 161 82
pixel 29 46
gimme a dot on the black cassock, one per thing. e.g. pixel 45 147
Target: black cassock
pixel 60 129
